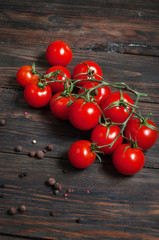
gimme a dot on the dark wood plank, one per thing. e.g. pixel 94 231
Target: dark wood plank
pixel 139 72
pixel 4 236
pixel 116 206
pixel 109 26
pixel 110 206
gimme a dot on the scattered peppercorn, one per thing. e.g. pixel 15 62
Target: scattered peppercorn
pixel 56 192
pixel 51 181
pixel 23 174
pixel 40 154
pixel 12 211
pixel 52 213
pixel 32 154
pixel 2 122
pixel 2 185
pixel 78 220
pixel 18 148
pixel 50 147
pixel 22 209
pixel 44 151
pixel 65 171
pixel 58 186
pixel 69 190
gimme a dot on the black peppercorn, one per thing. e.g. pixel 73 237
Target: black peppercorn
pixel 51 181
pixel 18 148
pixel 32 154
pixel 40 154
pixel 12 211
pixel 50 147
pixel 22 209
pixel 2 122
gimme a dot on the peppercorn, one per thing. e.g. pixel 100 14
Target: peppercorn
pixel 51 181
pixel 56 192
pixel 22 209
pixel 32 154
pixel 12 211
pixel 57 186
pixel 18 148
pixel 50 147
pixel 2 122
pixel 40 154
pixel 69 190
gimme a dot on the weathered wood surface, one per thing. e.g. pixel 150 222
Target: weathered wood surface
pixel 116 207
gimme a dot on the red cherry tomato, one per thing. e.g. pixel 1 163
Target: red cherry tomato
pixel 142 133
pixel 59 105
pixel 81 68
pixel 37 97
pixel 25 76
pixel 59 86
pixel 80 154
pixel 118 113
pixel 103 135
pixel 59 53
pixel 128 160
pixel 99 94
pixel 83 115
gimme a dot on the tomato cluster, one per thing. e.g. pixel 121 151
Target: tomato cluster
pixel 89 103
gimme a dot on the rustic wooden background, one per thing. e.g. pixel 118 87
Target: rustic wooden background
pixel 123 38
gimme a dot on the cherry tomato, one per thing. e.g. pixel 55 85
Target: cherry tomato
pixel 59 53
pixel 59 105
pixel 128 160
pixel 80 154
pixel 25 76
pixel 37 97
pixel 99 94
pixel 103 135
pixel 142 132
pixel 59 86
pixel 82 68
pixel 83 115
pixel 120 112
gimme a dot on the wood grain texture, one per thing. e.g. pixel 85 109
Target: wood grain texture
pixel 116 205
pixel 122 37
pixel 111 26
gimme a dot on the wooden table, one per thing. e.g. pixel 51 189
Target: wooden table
pixel 122 37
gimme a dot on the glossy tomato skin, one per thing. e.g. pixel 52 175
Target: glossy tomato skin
pixel 83 68
pixel 100 93
pixel 35 96
pixel 58 86
pixel 103 135
pixel 142 133
pixel 24 76
pixel 117 114
pixel 83 115
pixel 59 53
pixel 80 154
pixel 128 160
pixel 59 105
